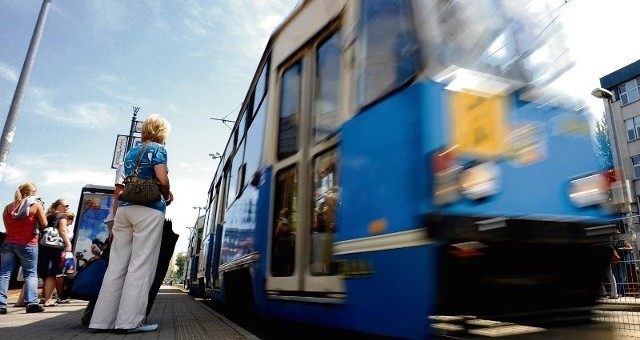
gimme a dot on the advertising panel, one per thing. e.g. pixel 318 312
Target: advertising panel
pixel 90 231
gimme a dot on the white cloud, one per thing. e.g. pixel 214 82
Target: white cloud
pixel 9 73
pixel 93 114
pixel 90 115
pixel 75 177
pixel 109 15
pixel 14 175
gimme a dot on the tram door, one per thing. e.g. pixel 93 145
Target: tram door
pixel 306 178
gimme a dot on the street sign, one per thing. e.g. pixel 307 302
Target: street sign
pixel 138 126
pixel 120 150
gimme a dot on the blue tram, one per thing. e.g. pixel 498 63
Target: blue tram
pixel 401 168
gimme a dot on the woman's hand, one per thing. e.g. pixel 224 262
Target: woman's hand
pixel 169 199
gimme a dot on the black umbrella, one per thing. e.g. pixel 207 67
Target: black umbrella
pixel 167 245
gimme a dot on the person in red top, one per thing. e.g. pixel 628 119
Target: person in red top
pixel 21 219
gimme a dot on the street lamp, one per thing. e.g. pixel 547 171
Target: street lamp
pixel 199 208
pixel 617 155
pixel 606 94
pixel 215 155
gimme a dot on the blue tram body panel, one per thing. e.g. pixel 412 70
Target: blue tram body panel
pixel 262 233
pixel 386 161
pixel 539 188
pixel 382 172
pixel 401 290
pixel 405 287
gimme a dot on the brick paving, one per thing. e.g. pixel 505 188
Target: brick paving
pixel 179 315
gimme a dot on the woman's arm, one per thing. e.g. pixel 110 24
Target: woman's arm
pixel 62 229
pixel 41 216
pixel 162 174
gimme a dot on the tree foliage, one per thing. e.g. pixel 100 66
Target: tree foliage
pixel 181 260
pixel 603 144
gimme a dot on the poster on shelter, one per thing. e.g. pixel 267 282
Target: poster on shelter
pixel 90 231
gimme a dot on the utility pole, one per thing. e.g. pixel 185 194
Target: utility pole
pixel 12 117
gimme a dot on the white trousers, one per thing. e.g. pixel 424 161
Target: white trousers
pixel 122 303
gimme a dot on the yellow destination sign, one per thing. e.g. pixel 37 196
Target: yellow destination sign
pixel 478 124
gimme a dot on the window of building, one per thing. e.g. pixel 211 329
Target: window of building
pixel 629 92
pixel 633 128
pixel 636 165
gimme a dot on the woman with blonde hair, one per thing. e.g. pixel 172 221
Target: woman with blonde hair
pixel 21 218
pixel 137 232
pixel 49 258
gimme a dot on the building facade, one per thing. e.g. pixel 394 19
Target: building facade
pixel 622 113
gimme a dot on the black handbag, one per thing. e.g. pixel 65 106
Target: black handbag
pixel 139 190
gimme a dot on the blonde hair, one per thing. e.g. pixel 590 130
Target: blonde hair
pixel 55 205
pixel 155 129
pixel 70 217
pixel 24 190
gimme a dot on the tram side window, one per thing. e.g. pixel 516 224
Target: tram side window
pixel 227 185
pixel 387 54
pixel 242 125
pixel 324 214
pixel 327 89
pixel 255 140
pixel 261 89
pixel 234 172
pixel 289 111
pixel 209 224
pixel 286 222
pixel 220 206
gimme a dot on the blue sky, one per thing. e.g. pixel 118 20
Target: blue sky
pixel 188 60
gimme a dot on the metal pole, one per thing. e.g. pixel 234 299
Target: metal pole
pixel 132 129
pixel 12 117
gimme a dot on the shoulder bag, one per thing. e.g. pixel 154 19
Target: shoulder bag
pixel 85 285
pixel 139 190
pixel 50 236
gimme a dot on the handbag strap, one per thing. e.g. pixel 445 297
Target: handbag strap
pixel 55 223
pixel 142 151
pixel 57 220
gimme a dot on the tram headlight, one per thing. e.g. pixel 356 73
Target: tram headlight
pixel 590 190
pixel 480 181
